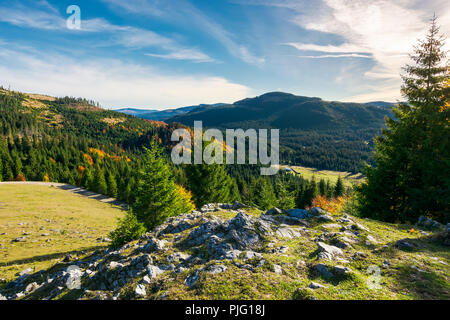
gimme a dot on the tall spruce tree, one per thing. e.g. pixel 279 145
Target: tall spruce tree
pixel 112 185
pixel 99 181
pixel 339 187
pixel 412 157
pixel 286 200
pixel 209 183
pixel 157 195
pixel 264 194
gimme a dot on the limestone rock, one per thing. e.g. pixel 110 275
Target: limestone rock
pixel 323 270
pixel 277 269
pixel 214 269
pixel 140 290
pixel 328 252
pixel 340 270
pixel 314 285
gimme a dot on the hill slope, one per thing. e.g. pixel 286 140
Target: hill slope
pixel 40 225
pixel 161 115
pixel 285 111
pixel 314 132
pixel 73 140
pixel 231 252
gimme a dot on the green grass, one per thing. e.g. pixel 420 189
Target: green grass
pixel 423 273
pixel 348 177
pixel 73 224
pixel 401 281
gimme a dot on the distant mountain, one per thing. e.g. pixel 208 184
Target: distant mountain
pixel 284 111
pixel 313 132
pixel 381 104
pixel 161 115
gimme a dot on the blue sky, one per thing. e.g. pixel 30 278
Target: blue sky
pixel 171 53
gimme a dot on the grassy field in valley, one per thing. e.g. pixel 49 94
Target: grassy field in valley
pixel 348 177
pixel 53 224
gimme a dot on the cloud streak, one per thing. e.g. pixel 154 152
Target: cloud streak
pixel 382 30
pixel 112 82
pixel 181 11
pixel 45 17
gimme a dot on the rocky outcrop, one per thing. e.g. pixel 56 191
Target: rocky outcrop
pixel 428 223
pixel 218 242
pixel 212 240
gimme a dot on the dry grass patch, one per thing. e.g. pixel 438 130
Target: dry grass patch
pixel 54 223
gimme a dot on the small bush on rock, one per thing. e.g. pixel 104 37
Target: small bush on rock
pixel 129 229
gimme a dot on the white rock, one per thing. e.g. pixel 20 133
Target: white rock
pixel 140 290
pixel 277 269
pixel 314 285
pixel 146 280
pixel 329 252
pixel 153 271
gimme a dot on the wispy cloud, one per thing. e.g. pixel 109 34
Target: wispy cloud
pixel 112 82
pixel 182 11
pixel 42 16
pixel 187 54
pixel 343 55
pixel 382 30
pixel 46 17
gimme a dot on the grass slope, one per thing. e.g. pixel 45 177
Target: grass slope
pixel 347 177
pixel 55 223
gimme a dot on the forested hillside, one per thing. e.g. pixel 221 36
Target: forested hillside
pixel 313 132
pixel 73 140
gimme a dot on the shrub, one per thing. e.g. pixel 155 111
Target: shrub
pixel 129 229
pixel 334 205
pixel 20 177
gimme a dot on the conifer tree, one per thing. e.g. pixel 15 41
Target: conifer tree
pixel 322 187
pixel 112 185
pixel 339 187
pixel 99 181
pixel 412 157
pixel 285 199
pixel 264 195
pixel 209 183
pixel 157 195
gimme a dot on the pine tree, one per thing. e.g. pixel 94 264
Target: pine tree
pixel 234 192
pixel 285 199
pixel 209 183
pixel 339 187
pixel 157 194
pixel 112 185
pixel 322 187
pixel 99 182
pixel 263 194
pixel 412 157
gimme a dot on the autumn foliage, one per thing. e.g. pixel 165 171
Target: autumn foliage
pixel 333 205
pixel 20 177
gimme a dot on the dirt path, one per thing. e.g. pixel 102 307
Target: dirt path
pixel 76 190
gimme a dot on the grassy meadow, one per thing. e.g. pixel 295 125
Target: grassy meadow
pixel 347 177
pixel 54 224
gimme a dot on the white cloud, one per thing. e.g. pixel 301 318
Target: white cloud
pixel 187 54
pixel 22 16
pixel 343 55
pixel 384 29
pixel 183 12
pixel 47 18
pixel 112 82
pixel 328 48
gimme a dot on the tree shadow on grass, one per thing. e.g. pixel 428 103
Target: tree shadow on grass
pixel 429 244
pixel 424 285
pixel 49 256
